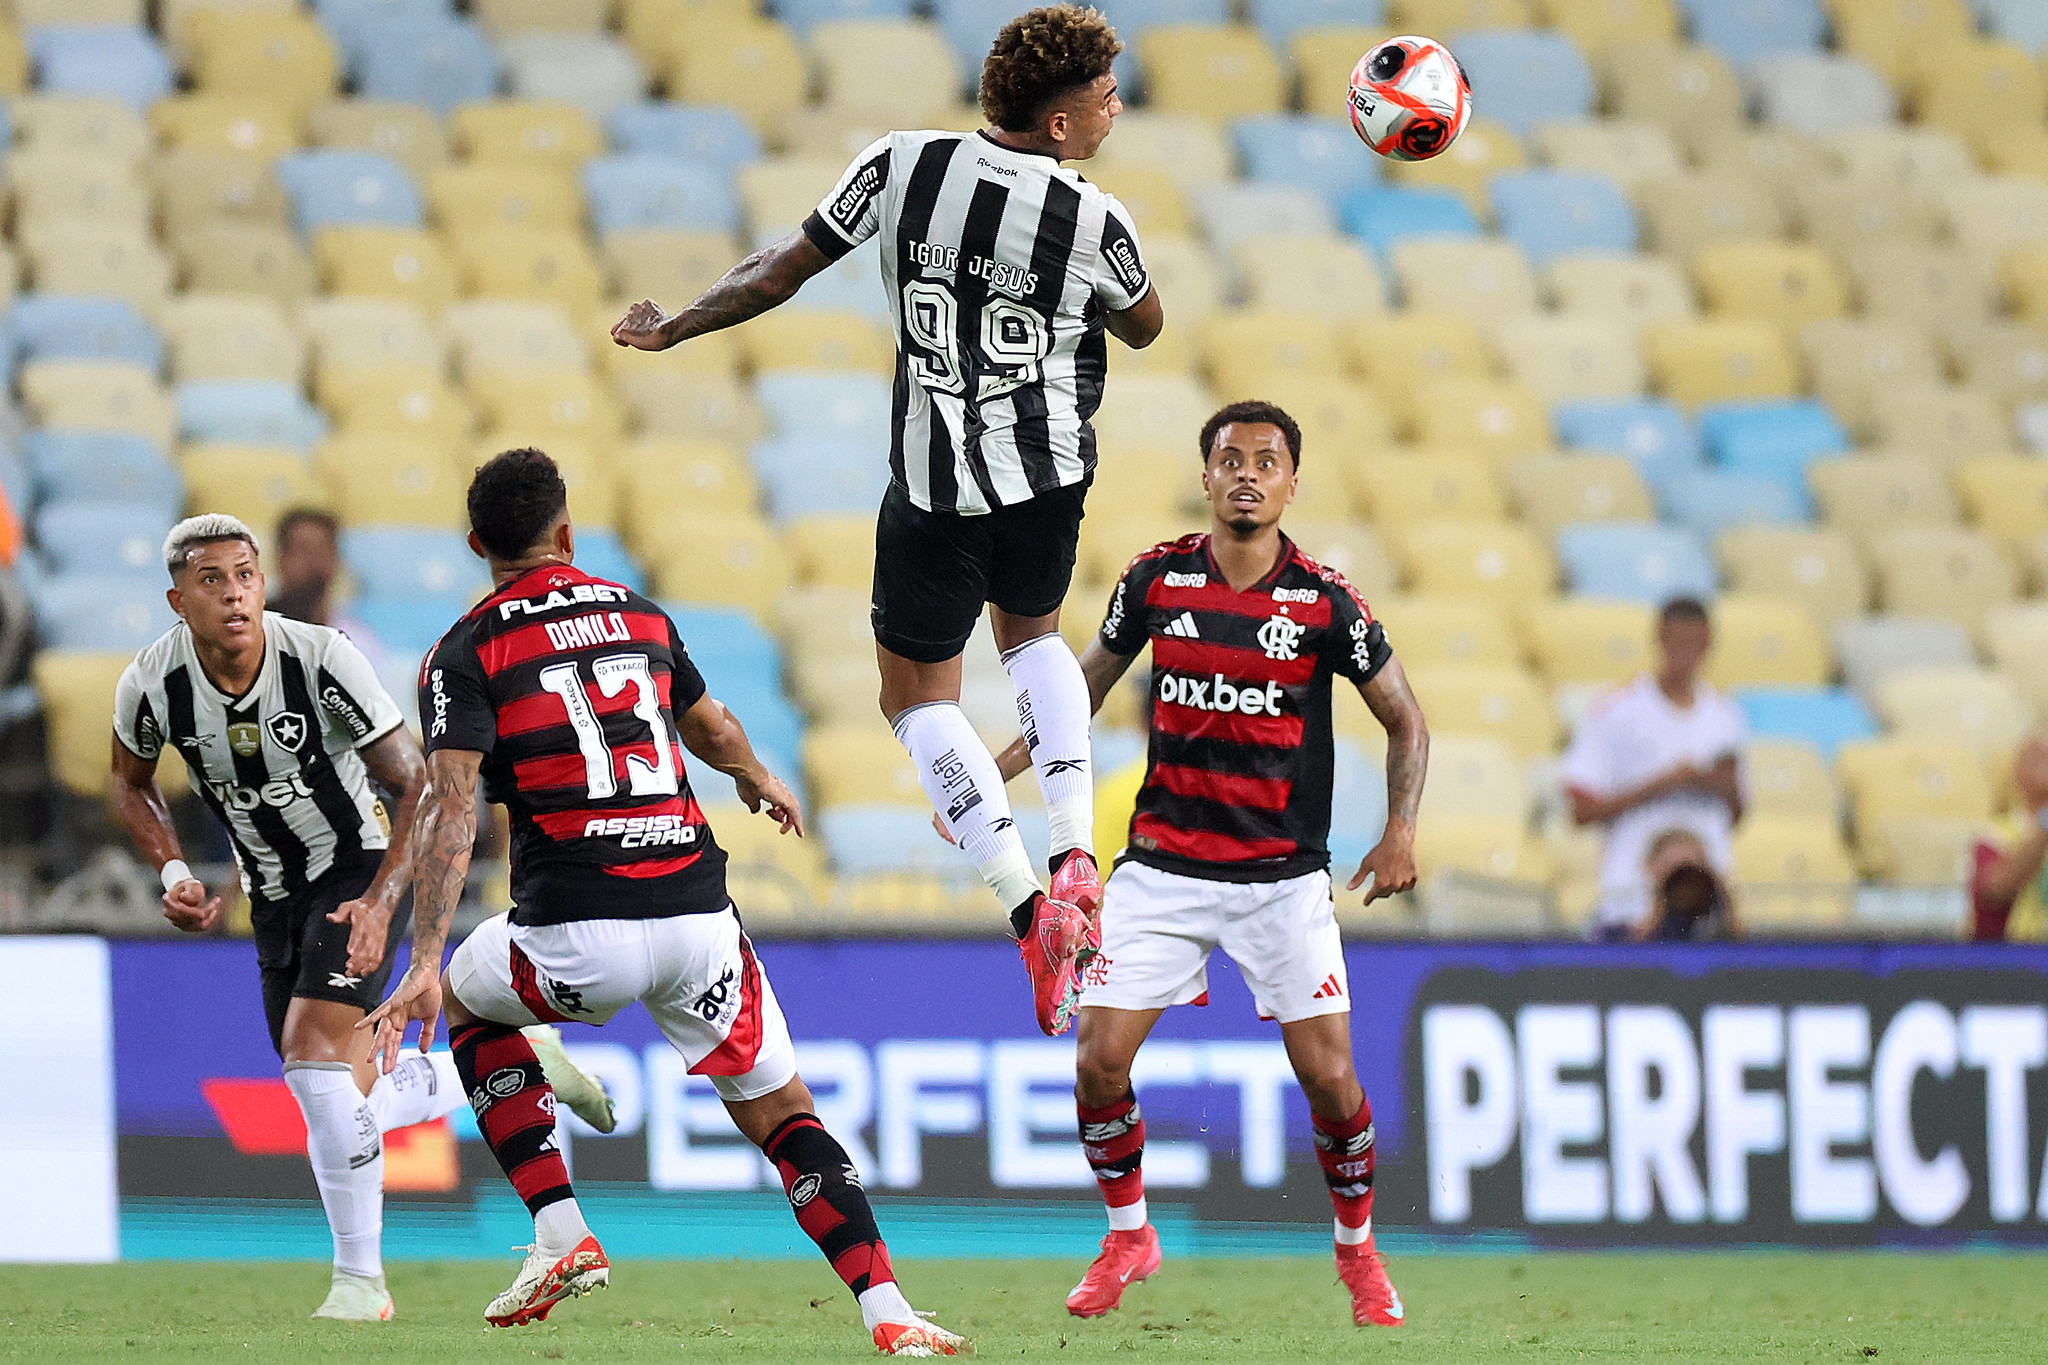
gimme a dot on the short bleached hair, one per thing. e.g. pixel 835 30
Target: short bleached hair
pixel 204 529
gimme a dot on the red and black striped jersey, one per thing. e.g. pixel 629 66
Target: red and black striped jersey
pixel 569 687
pixel 1238 782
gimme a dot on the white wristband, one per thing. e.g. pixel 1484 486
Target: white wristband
pixel 175 871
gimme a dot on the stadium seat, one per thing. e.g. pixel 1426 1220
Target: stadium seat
pixel 1869 496
pixel 253 412
pixel 76 688
pixel 501 17
pixel 349 188
pixel 1497 850
pixel 95 611
pixel 1778 440
pixel 1557 213
pixel 87 466
pixel 896 72
pixel 1243 348
pixel 2016 21
pixel 1937 287
pixel 1478 777
pixel 1632 290
pixel 1891 777
pixel 755 68
pixel 75 327
pixel 660 263
pixel 1281 20
pixel 1305 151
pixel 467 198
pixel 258 483
pixel 398 263
pixel 1184 268
pixel 117 60
pixel 1896 35
pixel 816 340
pixel 403 560
pixel 1499 418
pixel 1566 358
pixel 654 473
pixel 101 537
pixel 1788 779
pixel 2006 496
pixel 832 549
pixel 405 400
pixel 1822 717
pixel 1942 422
pixel 812 473
pixel 56 185
pixel 1458 632
pixel 1588 639
pixel 1966 705
pixel 280 55
pixel 1404 487
pixel 1529 78
pixel 93 125
pixel 547 406
pixel 532 265
pixel 680 404
pixel 1308 274
pixel 1485 280
pixel 1819 93
pixel 1323 56
pixel 1853 360
pixel 1505 702
pixel 1554 491
pixel 1652 434
pixel 1793 875
pixel 1633 561
pixel 2016 639
pixel 828 404
pixel 1231 213
pixel 1814 566
pixel 1842 213
pixel 1747 32
pixel 520 130
pixel 711 135
pixel 407 133
pixel 599 553
pixel 777 195
pixel 381 478
pixel 1621 151
pixel 1870 647
pixel 115 258
pixel 1337 418
pixel 594 71
pixel 508 335
pixel 1494 560
pixel 863 765
pixel 1773 157
pixel 1718 360
pixel 1784 285
pixel 1766 642
pixel 1484 151
pixel 230 336
pixel 1944 572
pixel 1688 90
pixel 1682 214
pixel 1382 218
pixel 195 188
pixel 645 190
pixel 227 257
pixel 1967 86
pixel 98 395
pixel 2008 361
pixel 1398 353
pixel 439 62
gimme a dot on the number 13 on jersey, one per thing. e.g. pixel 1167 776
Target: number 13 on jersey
pixel 613 674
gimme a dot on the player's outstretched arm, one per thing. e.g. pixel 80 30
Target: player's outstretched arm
pixel 148 818
pixel 713 733
pixel 396 763
pixel 1391 864
pixel 1104 668
pixel 768 278
pixel 1139 325
pixel 444 833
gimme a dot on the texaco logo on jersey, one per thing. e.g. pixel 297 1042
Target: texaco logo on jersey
pixel 1279 636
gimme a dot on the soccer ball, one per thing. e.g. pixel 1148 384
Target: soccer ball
pixel 1409 98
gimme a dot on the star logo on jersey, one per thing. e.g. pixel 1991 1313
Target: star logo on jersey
pixel 245 738
pixel 1279 636
pixel 287 730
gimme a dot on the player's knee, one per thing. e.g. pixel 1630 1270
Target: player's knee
pixel 1328 1082
pixel 1100 1080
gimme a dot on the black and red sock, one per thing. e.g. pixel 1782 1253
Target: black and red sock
pixel 825 1193
pixel 1113 1140
pixel 515 1109
pixel 1345 1150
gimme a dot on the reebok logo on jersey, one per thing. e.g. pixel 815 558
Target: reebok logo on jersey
pixel 1065 765
pixel 342 981
pixel 1182 627
pixel 1218 693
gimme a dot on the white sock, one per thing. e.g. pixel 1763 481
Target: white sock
pixel 347 1152
pixel 966 788
pixel 1351 1237
pixel 1052 706
pixel 417 1090
pixel 1128 1217
pixel 558 1227
pixel 884 1302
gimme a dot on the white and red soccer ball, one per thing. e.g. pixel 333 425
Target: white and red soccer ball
pixel 1409 98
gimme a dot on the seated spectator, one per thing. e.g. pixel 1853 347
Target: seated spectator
pixel 1688 900
pixel 1660 753
pixel 308 561
pixel 2007 889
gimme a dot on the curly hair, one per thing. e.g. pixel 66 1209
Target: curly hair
pixel 1251 411
pixel 513 499
pixel 1040 56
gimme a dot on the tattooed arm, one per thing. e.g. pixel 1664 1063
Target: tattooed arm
pixel 443 835
pixel 1391 864
pixel 396 763
pixel 766 279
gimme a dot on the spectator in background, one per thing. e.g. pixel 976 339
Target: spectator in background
pixel 1688 900
pixel 308 561
pixel 1660 753
pixel 2006 891
pixel 14 605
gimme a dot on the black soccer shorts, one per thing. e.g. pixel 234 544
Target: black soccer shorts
pixel 935 570
pixel 303 954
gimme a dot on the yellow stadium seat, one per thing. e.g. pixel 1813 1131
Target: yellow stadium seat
pixel 1887 777
pixel 1351 548
pixel 195 188
pixel 378 477
pixel 778 195
pixel 1943 571
pixel 543 16
pixel 546 264
pixel 1785 285
pixel 1814 566
pixel 1499 850
pixel 1553 491
pixel 1632 290
pixel 690 405
pixel 95 125
pixel 472 198
pixel 13 62
pixel 733 560
pixel 786 340
pixel 587 473
pixel 1172 352
pixel 660 480
pixel 1496 416
pixel 1326 275
pixel 1495 560
pixel 1152 411
pixel 410 401
pixel 1899 37
pixel 1842 213
pixel 2006 495
pixel 1214 71
pixel 1940 288
pixel 860 765
pixel 1398 353
pixel 1940 421
pixel 754 66
pixel 2014 149
pixel 245 124
pixel 657 28
pixel 1918 156
pixel 34 13
pixel 1788 779
pixel 409 134
pixel 1775 158
pixel 1108 543
pixel 1473 777
pixel 1868 496
pixel 767 866
pixel 174 17
pixel 1485 281
pixel 1323 58
pixel 1920 850
pixel 526 132
pixel 1682 214
pixel 98 395
pixel 353 333
pixel 1452 632
pixel 820 625
pixel 1990 215
pixel 897 71
pixel 1587 639
pixel 232 336
pixel 259 484
pixel 1243 348
pixel 2007 361
pixel 506 334
pixel 1687 89
pixel 1961 705
pixel 1596 25
pixel 2023 274
pixel 57 185
pixel 1969 85
pixel 1191 150
pixel 1762 641
pixel 2036 555
pixel 1455 16
pixel 1482 151
pixel 1624 151
pixel 1569 357
pixel 1153 197
pixel 2016 638
pixel 1407 488
pixel 1147 482
pixel 1506 702
pixel 1340 421
pixel 76 689
pixel 1181 266
pixel 1718 360
pixel 832 549
pixel 385 262
pixel 281 55
pixel 1792 874
pixel 670 267
pixel 1852 361
pixel 227 257
pixel 557 404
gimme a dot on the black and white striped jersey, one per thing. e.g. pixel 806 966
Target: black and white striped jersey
pixel 278 764
pixel 999 265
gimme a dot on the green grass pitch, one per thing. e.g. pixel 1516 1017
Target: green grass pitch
pixel 1605 1307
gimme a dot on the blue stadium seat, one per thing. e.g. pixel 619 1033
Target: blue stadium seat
pixel 2024 23
pixel 15 483
pixel 248 412
pixel 103 538
pixel 1744 30
pixel 1637 561
pixel 123 63
pixel 1319 154
pixel 329 189
pixel 102 466
pixel 726 641
pixel 803 15
pixel 1709 501
pixel 600 554
pixel 1522 78
pixel 773 726
pixel 1825 717
pixel 118 613
pixel 852 284
pixel 1554 213
pixel 1652 432
pixel 411 561
pixel 863 840
pixel 83 327
pixel 970 26
pixel 1280 20
pixel 825 403
pixel 708 134
pixel 805 474
pixel 351 22
pixel 1774 439
pixel 644 190
pixel 436 62
pixel 409 623
pixel 1358 805
pixel 1380 218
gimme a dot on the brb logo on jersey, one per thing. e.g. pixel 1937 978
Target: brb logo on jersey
pixel 1279 636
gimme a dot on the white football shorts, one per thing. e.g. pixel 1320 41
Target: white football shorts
pixel 1158 929
pixel 697 975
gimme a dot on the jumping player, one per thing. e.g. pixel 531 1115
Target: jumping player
pixel 567 694
pixel 284 727
pixel 1228 844
pixel 1003 269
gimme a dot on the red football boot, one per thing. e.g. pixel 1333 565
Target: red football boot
pixel 1373 1300
pixel 1079 883
pixel 1058 929
pixel 1127 1257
